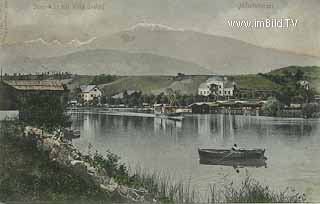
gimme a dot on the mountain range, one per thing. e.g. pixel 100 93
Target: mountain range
pixel 149 49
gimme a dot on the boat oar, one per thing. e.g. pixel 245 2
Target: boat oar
pixel 226 156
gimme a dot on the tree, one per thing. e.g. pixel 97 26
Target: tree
pixel 103 100
pixel 272 106
pixel 44 110
pixel 103 79
pixel 310 109
pixel 299 75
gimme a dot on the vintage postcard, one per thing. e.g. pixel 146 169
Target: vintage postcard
pixel 159 101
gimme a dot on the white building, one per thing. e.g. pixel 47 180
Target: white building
pixel 89 92
pixel 223 86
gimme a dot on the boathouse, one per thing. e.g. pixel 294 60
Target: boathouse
pixel 13 94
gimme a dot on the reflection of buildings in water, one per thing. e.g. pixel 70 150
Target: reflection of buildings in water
pixel 204 124
pixel 171 129
pixel 166 124
pixel 217 127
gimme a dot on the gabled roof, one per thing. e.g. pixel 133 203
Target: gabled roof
pixel 87 88
pixel 36 85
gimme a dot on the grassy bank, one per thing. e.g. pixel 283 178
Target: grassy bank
pixel 27 175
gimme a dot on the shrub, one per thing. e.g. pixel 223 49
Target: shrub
pixel 251 191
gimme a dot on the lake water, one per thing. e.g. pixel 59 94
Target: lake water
pixel 292 146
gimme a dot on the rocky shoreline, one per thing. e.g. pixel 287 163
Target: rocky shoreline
pixel 64 153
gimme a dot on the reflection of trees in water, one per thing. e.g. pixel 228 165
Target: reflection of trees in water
pixel 166 124
pixel 294 131
pixel 229 127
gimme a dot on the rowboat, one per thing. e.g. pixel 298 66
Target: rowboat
pixel 226 154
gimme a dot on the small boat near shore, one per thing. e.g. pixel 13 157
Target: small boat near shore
pixel 226 154
pixel 235 158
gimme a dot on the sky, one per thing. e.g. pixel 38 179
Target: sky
pixel 33 19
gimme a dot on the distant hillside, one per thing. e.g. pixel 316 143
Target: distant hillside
pixel 312 73
pixel 154 84
pixel 190 84
pixel 252 81
pixel 93 62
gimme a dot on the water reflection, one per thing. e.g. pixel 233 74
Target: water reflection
pixel 236 163
pixel 162 124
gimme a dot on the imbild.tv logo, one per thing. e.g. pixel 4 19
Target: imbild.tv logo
pixel 264 23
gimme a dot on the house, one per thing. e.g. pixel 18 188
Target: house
pixel 14 94
pixel 223 87
pixel 89 92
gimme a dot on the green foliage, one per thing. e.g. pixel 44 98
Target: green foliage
pixel 310 110
pixel 160 187
pixel 137 99
pixel 27 175
pixel 294 93
pixel 272 107
pixel 252 191
pixel 43 110
pixel 103 79
pixel 110 164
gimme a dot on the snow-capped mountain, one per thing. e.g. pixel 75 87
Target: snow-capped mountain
pixel 72 43
pixel 153 27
